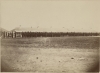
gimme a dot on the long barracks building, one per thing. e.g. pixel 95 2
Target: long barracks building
pixel 41 32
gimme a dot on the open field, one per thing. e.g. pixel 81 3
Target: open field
pixel 50 54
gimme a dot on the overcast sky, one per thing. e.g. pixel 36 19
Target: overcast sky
pixel 83 16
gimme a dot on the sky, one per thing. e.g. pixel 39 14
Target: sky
pixel 73 15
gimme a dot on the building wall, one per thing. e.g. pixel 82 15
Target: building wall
pixel 18 34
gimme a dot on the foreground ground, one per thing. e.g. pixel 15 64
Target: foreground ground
pixel 50 54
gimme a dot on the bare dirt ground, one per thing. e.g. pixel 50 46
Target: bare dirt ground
pixel 55 55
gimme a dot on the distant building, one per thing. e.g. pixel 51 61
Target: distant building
pixel 43 32
pixel 2 30
pixel 32 32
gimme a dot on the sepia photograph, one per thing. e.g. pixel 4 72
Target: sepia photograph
pixel 50 36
